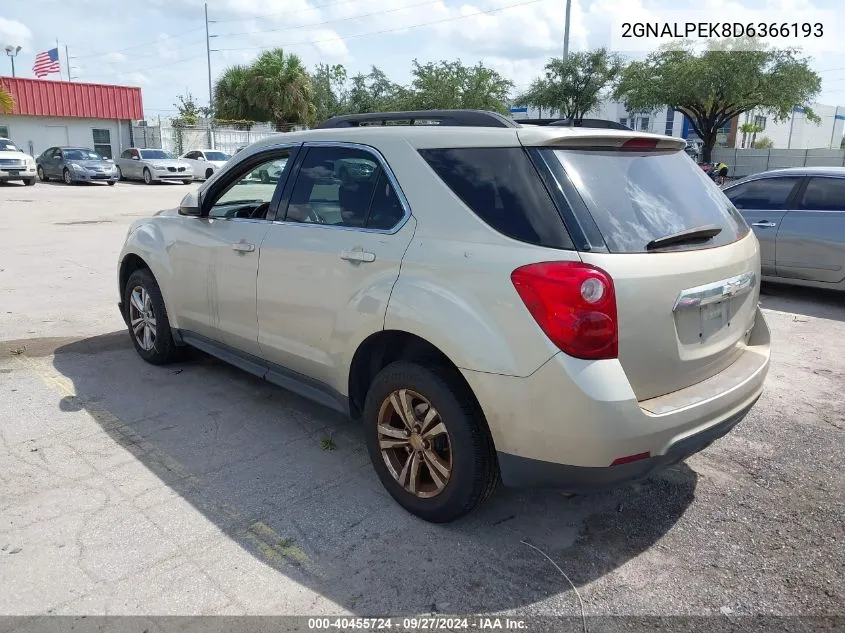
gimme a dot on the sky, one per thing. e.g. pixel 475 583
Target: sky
pixel 160 45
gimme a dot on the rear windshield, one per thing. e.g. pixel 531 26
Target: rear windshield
pixel 637 197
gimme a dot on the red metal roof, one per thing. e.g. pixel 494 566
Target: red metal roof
pixel 38 97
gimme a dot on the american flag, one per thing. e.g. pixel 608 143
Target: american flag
pixel 46 62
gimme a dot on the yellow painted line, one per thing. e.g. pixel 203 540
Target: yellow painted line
pixel 273 548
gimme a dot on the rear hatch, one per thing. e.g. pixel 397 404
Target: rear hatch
pixel 685 267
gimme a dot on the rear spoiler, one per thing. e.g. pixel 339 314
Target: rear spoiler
pixel 583 138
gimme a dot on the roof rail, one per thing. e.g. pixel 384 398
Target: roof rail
pixel 454 118
pixel 590 123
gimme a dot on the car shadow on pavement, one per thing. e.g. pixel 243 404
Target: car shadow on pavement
pixel 290 482
pixel 812 302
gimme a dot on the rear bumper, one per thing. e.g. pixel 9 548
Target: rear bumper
pixel 523 472
pixel 567 423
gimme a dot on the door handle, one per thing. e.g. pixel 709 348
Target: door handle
pixel 243 247
pixel 765 224
pixel 358 256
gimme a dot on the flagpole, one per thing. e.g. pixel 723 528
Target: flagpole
pixel 60 63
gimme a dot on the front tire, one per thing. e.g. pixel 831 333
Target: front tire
pixel 148 177
pixel 187 182
pixel 146 317
pixel 119 174
pixel 428 441
pixel 66 176
pixel 41 175
pixel 111 183
pixel 208 173
pixel 29 182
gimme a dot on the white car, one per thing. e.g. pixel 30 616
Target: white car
pixel 554 306
pixel 15 164
pixel 205 161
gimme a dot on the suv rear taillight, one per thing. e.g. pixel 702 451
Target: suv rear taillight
pixel 574 304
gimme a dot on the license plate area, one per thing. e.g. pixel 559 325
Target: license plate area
pixel 713 318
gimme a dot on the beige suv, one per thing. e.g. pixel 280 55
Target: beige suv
pixel 565 307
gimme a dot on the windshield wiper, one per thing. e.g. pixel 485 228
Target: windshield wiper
pixel 697 234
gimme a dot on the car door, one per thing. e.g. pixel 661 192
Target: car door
pixel 55 164
pixel 763 202
pixel 329 263
pixel 226 240
pixel 194 159
pixel 811 239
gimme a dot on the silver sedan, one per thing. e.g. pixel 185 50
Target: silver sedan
pixel 153 165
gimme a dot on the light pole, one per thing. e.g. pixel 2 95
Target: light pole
pixel 12 51
pixel 566 30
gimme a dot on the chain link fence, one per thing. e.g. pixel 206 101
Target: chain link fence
pixel 746 162
pixel 179 140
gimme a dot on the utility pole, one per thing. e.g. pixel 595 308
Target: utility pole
pixel 566 30
pixel 791 126
pixel 833 131
pixel 208 59
pixel 67 63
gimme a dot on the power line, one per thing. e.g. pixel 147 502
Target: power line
pixel 134 46
pixel 354 17
pixel 393 30
pixel 145 68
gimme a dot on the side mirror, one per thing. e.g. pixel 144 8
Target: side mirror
pixel 190 205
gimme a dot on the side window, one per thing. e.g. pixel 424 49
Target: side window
pixel 127 153
pixel 501 186
pixel 334 186
pixel 824 194
pixel 250 193
pixel 385 210
pixel 766 194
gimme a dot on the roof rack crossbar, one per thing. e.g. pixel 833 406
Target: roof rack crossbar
pixel 454 118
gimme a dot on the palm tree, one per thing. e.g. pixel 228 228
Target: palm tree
pixel 7 101
pixel 281 88
pixel 232 95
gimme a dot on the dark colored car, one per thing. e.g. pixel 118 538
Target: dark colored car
pixel 75 164
pixel 798 216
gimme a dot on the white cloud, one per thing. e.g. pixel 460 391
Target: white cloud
pixel 14 33
pixel 114 58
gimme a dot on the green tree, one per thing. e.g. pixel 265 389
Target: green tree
pixel 375 92
pixel 331 95
pixel 450 84
pixel 749 129
pixel 275 88
pixel 189 111
pixel 7 101
pixel 725 80
pixel 574 86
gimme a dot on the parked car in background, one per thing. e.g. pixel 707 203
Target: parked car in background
pixel 457 300
pixel 205 162
pixel 152 165
pixel 798 215
pixel 15 164
pixel 75 164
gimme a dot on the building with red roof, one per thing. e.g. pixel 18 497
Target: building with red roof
pixel 63 113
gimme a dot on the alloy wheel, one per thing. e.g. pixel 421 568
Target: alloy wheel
pixel 415 443
pixel 142 318
pixel 67 177
pixel 148 177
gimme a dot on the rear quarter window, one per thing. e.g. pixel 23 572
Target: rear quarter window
pixel 637 197
pixel 501 186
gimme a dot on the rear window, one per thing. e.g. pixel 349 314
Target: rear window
pixel 501 186
pixel 637 197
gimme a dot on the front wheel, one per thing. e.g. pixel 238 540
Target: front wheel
pixel 148 177
pixel 111 183
pixel 147 319
pixel 119 174
pixel 209 173
pixel 41 175
pixel 66 176
pixel 428 441
pixel 29 182
pixel 187 182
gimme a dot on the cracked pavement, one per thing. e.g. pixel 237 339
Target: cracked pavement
pixel 198 489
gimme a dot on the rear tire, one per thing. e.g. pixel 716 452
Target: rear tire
pixel 146 316
pixel 462 471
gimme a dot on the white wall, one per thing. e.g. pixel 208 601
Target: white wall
pixel 615 111
pixel 44 132
pixel 805 133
